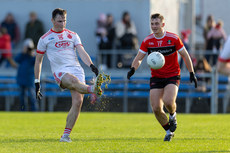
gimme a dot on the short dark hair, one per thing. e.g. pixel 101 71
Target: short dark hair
pixel 58 11
pixel 157 15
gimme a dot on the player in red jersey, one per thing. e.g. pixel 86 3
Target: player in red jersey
pixel 165 81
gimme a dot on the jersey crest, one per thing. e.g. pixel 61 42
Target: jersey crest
pixel 60 36
pixel 69 36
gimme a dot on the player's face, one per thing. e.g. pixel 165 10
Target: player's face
pixel 157 26
pixel 59 22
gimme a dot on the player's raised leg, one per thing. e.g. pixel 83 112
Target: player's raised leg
pixel 71 82
pixel 157 107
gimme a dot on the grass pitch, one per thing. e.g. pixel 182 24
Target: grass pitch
pixel 112 132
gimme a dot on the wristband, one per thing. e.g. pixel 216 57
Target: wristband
pixel 133 69
pixel 91 65
pixel 36 81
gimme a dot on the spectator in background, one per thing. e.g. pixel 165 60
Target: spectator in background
pixel 101 32
pixel 5 47
pixel 185 39
pixel 210 23
pixel 218 36
pixel 34 28
pixel 25 75
pixel 127 39
pixel 102 39
pixel 126 33
pixel 12 28
pixel 202 67
pixel 110 31
pixel 105 34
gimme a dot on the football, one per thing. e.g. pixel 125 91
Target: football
pixel 156 60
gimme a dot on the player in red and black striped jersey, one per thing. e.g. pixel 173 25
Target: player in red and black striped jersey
pixel 165 81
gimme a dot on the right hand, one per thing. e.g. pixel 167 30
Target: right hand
pixel 37 90
pixel 131 72
pixel 193 78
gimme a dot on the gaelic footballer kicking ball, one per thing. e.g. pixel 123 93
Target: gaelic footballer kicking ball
pixel 156 60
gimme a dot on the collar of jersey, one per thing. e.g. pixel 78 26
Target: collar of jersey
pixel 57 32
pixel 160 37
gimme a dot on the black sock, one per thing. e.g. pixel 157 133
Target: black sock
pixel 166 126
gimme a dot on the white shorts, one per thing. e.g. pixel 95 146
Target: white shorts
pixel 225 53
pixel 77 71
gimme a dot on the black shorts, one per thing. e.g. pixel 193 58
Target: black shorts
pixel 162 82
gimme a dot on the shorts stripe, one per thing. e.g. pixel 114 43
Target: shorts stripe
pixel 57 79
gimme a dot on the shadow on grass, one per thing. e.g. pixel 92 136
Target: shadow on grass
pixel 23 140
pixel 133 139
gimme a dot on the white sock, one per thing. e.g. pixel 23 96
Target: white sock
pixel 90 89
pixel 172 116
pixel 168 131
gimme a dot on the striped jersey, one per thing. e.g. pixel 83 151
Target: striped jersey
pixel 169 44
pixel 60 48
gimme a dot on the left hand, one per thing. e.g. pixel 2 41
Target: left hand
pixel 130 73
pixel 193 78
pixel 94 69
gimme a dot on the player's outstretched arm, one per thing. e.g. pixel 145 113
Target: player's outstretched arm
pixel 84 55
pixel 188 62
pixel 137 60
pixel 135 64
pixel 37 73
pixel 86 59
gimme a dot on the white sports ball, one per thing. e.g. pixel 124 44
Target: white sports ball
pixel 156 60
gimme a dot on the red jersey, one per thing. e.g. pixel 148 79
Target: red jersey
pixel 169 44
pixel 5 45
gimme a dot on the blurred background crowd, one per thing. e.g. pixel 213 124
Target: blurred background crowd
pixel 115 26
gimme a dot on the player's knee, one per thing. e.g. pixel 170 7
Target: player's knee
pixel 73 84
pixel 157 109
pixel 168 105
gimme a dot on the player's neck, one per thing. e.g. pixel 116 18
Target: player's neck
pixel 57 29
pixel 160 34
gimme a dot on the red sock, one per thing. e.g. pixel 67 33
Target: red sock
pixel 67 132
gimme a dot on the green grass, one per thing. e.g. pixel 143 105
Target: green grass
pixel 112 132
